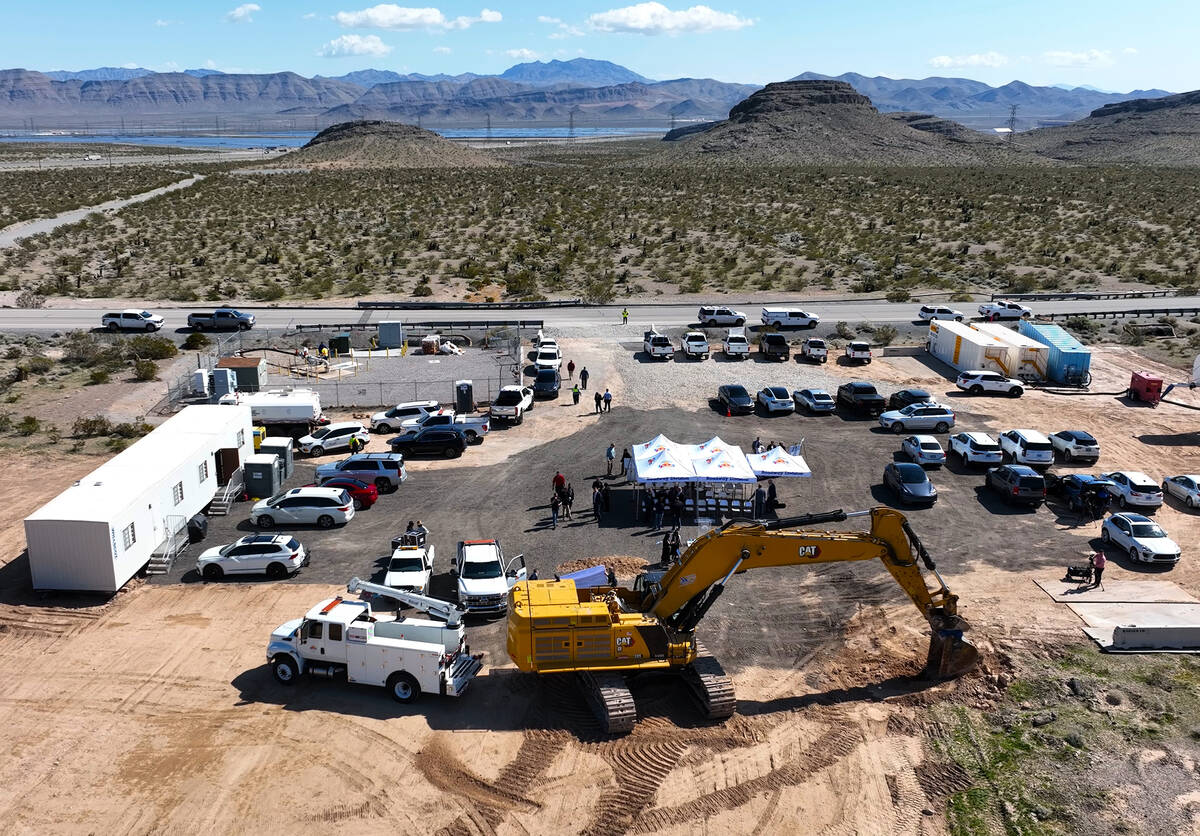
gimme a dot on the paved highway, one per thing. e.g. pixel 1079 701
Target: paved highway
pixel 641 316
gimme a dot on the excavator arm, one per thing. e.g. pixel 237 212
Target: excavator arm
pixel 686 592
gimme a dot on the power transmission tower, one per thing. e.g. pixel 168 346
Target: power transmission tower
pixel 672 120
pixel 489 126
pixel 1012 122
pixel 571 122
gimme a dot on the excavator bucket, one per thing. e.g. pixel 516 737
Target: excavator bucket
pixel 950 656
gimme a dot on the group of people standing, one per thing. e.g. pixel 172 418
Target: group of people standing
pixel 562 499
pixel 603 401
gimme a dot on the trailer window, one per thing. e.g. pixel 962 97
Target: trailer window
pixel 128 536
pixel 177 492
pixel 335 632
pixel 203 471
pixel 313 630
pixel 241 438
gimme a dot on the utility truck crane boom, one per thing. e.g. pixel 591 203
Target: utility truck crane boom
pixel 607 633
pixel 434 606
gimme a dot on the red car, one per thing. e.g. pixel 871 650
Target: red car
pixel 363 494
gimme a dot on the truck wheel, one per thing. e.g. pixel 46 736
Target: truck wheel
pixel 324 521
pixel 520 419
pixel 897 428
pixel 739 322
pixel 712 323
pixel 976 389
pixel 1105 537
pixel 150 327
pixel 243 326
pixel 112 326
pixel 276 571
pixel 403 687
pixel 452 453
pixel 316 451
pixel 1014 392
pixel 1134 556
pixel 265 521
pixel 383 428
pixel 941 427
pixel 213 572
pixel 284 669
pixel 824 359
pixel 358 504
pixel 196 326
pixel 472 436
pixel 383 485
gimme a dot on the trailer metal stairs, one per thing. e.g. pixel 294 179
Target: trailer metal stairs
pixel 163 556
pixel 226 496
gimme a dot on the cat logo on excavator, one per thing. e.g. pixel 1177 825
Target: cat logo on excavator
pixel 808 551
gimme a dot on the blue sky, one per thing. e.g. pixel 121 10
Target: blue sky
pixel 1103 43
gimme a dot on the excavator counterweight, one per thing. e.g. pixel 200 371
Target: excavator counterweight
pixel 609 633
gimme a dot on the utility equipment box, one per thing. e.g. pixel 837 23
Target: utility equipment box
pixel 1145 387
pixel 339 344
pixel 264 475
pixel 200 383
pixel 224 382
pixel 391 334
pixel 1069 361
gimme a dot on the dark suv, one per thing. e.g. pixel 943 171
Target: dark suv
pixel 861 397
pixel 383 470
pixel 1018 483
pixel 437 441
pixel 547 383
pixel 774 347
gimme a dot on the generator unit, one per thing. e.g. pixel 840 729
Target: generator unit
pixel 1146 387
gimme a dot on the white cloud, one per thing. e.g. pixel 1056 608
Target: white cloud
pixel 656 19
pixel 441 50
pixel 310 16
pixel 210 64
pixel 391 16
pixel 565 30
pixel 160 22
pixel 547 19
pixel 1087 58
pixel 1129 50
pixel 979 59
pixel 521 54
pixel 243 13
pixel 354 45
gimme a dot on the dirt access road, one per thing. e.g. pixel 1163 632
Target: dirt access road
pixel 156 712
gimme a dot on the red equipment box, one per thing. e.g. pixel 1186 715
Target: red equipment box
pixel 1146 387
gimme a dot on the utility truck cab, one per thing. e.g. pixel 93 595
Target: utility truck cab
pixel 484 577
pixel 657 345
pixel 346 639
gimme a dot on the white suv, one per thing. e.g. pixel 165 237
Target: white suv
pixel 1027 447
pixel 1141 537
pixel 273 555
pixel 978 381
pixel 976 448
pixel 1135 488
pixel 1076 445
pixel 548 356
pixel 333 437
pixel 391 419
pixel 712 316
pixel 323 507
pixel 929 312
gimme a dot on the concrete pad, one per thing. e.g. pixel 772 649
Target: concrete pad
pixel 1116 592
pixel 1138 615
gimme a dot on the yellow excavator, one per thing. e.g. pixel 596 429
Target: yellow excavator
pixel 606 634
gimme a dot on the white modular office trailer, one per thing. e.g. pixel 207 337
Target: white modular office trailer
pixel 967 349
pixel 1031 356
pixel 98 533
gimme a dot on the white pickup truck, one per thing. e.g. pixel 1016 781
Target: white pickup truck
pixel 346 639
pixel 814 349
pixel 474 427
pixel 858 352
pixel 511 404
pixel 735 344
pixel 411 565
pixel 484 578
pixel 1004 309
pixel 657 345
pixel 131 320
pixel 695 345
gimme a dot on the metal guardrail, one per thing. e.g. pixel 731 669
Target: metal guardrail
pixel 1192 311
pixel 1051 297
pixel 441 325
pixel 471 306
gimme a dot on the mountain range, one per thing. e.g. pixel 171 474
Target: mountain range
pixel 594 93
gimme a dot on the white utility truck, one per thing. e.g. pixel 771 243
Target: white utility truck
pixel 657 345
pixel 347 638
pixel 411 565
pixel 474 427
pixel 483 577
pixel 288 412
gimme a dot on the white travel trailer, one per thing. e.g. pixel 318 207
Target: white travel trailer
pixel 100 532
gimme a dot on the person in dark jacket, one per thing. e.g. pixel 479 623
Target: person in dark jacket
pixel 772 501
pixel 607 492
pixel 670 547
pixel 554 506
pixel 583 377
pixel 599 400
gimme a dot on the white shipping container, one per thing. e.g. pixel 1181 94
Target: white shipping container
pixel 966 348
pixel 98 533
pixel 1031 355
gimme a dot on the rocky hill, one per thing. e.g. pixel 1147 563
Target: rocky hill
pixel 829 123
pixel 1162 131
pixel 578 72
pixel 383 145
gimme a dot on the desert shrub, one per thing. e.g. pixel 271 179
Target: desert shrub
pixel 196 340
pixel 53 433
pixel 136 429
pixel 91 427
pixel 87 349
pixel 13 352
pixel 844 330
pixel 98 376
pixel 961 296
pixel 898 294
pixel 6 422
pixel 145 370
pixel 147 347
pixel 883 334
pixel 38 365
pixel 30 299
pixel 1082 325
pixel 28 426
pixel 422 290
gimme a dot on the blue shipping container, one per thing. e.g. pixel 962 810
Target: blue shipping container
pixel 1069 360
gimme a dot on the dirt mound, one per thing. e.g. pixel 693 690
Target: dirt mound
pixel 829 123
pixel 1163 131
pixel 624 567
pixel 383 145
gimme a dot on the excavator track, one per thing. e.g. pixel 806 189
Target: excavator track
pixel 710 685
pixel 608 695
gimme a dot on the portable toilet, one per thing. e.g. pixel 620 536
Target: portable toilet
pixel 464 396
pixel 391 334
pixel 283 447
pixel 965 348
pixel 339 344
pixel 1031 355
pixel 264 475
pixel 223 383
pixel 1068 361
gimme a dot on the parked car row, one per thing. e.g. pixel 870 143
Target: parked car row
pixel 713 316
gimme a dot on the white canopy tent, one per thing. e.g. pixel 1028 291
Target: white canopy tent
pixel 664 466
pixel 778 463
pixel 654 446
pixel 724 465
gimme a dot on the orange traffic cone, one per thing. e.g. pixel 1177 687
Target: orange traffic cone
pixel 728 412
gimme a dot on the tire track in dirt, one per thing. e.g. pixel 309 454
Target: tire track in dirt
pixel 938 780
pixel 441 767
pixel 639 769
pixel 835 744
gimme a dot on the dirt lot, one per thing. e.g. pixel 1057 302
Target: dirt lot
pixel 155 711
